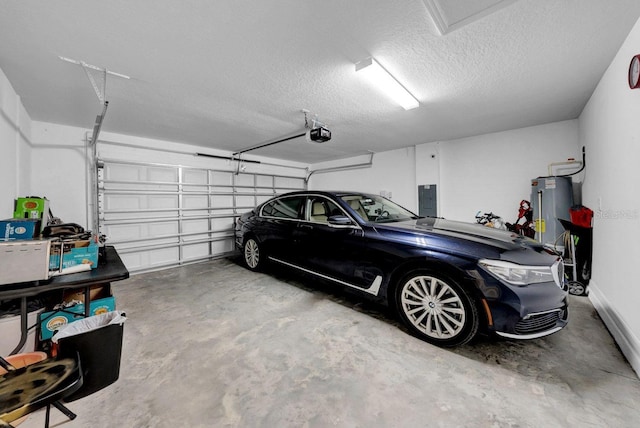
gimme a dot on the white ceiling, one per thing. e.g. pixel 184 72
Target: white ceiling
pixel 234 74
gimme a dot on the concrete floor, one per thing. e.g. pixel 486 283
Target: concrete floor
pixel 214 345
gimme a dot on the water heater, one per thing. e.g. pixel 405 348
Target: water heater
pixel 551 198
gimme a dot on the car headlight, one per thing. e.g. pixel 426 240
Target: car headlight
pixel 515 274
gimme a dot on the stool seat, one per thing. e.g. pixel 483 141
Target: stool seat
pixel 30 388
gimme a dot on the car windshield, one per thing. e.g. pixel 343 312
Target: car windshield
pixel 377 209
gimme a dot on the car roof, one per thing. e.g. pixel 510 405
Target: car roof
pixel 336 193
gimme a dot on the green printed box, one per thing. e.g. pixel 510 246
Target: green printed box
pixel 32 207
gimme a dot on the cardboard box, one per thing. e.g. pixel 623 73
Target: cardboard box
pixel 74 253
pixel 32 207
pixel 22 261
pixel 16 229
pixel 95 292
pixel 52 321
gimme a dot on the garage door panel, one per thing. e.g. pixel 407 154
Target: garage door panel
pixel 222 201
pixel 160 201
pixel 162 228
pixel 222 224
pixel 223 247
pixel 288 183
pixel 162 215
pixel 195 201
pixel 122 202
pixel 161 257
pixel 262 198
pixel 133 261
pixel 244 201
pixel 195 176
pixel 265 181
pixel 161 174
pixel 122 172
pixel 124 232
pixel 245 180
pixel 194 226
pixel 195 251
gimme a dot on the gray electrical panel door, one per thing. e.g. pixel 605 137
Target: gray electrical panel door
pixel 427 200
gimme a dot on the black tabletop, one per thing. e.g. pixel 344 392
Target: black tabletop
pixel 109 269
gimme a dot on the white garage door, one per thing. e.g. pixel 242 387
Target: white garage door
pixel 159 215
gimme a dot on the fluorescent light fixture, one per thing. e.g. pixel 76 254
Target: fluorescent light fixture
pixel 385 81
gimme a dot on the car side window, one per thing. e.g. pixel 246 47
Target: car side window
pixel 319 209
pixel 356 204
pixel 284 207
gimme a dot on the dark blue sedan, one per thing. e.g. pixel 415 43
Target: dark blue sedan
pixel 446 280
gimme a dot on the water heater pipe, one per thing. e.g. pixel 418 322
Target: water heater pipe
pixel 540 216
pixel 582 164
pixel 568 162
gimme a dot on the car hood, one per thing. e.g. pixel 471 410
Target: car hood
pixel 469 239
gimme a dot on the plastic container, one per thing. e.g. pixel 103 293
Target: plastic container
pixel 10 326
pixel 581 216
pixel 97 342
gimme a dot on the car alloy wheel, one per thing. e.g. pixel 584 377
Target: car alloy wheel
pixel 437 310
pixel 577 288
pixel 252 255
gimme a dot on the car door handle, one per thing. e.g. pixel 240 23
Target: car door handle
pixel 306 226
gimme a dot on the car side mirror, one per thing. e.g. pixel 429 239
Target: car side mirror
pixel 341 221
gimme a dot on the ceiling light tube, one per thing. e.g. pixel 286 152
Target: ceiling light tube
pixel 385 81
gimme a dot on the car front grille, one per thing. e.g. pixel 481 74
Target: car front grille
pixel 538 322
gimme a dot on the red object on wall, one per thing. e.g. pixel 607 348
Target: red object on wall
pixel 581 216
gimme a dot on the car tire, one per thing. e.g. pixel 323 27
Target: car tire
pixel 253 255
pixel 577 288
pixel 436 309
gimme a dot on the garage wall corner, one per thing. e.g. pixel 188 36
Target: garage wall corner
pixel 15 135
pixel 609 128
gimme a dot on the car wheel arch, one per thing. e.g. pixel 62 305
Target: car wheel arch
pixel 261 259
pixel 455 295
pixel 436 266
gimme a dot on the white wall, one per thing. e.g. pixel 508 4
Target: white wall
pixel 58 163
pixel 15 130
pixel 392 171
pixel 493 172
pixel 609 127
pixel 428 164
pixel 57 170
pixel 489 172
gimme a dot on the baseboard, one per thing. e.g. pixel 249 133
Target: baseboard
pixel 623 335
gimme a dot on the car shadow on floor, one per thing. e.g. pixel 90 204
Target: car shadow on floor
pixel 525 357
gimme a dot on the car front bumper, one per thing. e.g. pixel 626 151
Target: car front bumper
pixel 538 324
pixel 527 312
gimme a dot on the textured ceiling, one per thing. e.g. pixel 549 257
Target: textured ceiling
pixel 234 74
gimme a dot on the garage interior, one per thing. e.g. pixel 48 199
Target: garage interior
pixel 158 123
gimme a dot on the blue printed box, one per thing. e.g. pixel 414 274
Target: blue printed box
pixel 17 229
pixel 74 253
pixel 52 321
